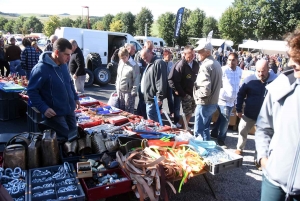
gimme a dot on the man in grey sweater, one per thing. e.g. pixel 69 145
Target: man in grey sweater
pixel 206 90
pixel 153 83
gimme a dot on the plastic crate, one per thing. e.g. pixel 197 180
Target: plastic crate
pixel 25 193
pixel 8 95
pixel 53 169
pixel 237 161
pixel 96 193
pixel 32 126
pixel 9 109
pixel 34 114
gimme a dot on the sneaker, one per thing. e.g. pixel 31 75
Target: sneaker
pixel 214 136
pixel 238 152
pixel 222 144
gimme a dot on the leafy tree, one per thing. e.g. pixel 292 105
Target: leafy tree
pixel 51 25
pixel 19 26
pixel 9 26
pixel 143 17
pixel 107 19
pixel 210 24
pixel 128 22
pixel 230 25
pixel 80 23
pixel 98 25
pixel 116 26
pixel 66 22
pixel 195 23
pixel 33 23
pixel 166 27
pixel 3 21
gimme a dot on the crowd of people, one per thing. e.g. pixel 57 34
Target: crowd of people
pixel 199 82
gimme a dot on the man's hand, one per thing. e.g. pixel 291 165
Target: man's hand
pixel 75 77
pixel 49 113
pixel 239 114
pixel 159 103
pixel 78 104
pixel 263 162
pixel 176 92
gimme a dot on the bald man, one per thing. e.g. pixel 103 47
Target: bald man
pixel 253 89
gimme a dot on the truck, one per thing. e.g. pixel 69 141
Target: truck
pixel 97 48
pixel 157 42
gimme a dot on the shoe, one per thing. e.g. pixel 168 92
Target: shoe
pixel 238 152
pixel 222 144
pixel 214 136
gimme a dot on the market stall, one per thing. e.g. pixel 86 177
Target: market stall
pixel 117 152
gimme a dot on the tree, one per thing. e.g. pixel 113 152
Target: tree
pixel 166 27
pixel 210 24
pixel 3 21
pixel 143 17
pixel 116 26
pixel 79 23
pixel 34 24
pixel 19 26
pixel 128 22
pixel 195 23
pixel 107 19
pixel 51 25
pixel 9 26
pixel 230 25
pixel 98 25
pixel 66 22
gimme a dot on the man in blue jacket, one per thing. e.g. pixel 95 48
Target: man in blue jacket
pixel 254 90
pixel 51 88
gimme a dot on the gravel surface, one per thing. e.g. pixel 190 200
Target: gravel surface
pixel 239 184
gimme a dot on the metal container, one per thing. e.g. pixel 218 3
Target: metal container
pixel 50 150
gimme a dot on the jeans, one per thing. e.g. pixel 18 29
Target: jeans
pixel 13 65
pixel 4 64
pixel 170 99
pixel 151 111
pixel 203 115
pixel 221 126
pixel 177 103
pixel 275 193
pixel 245 126
pixel 79 83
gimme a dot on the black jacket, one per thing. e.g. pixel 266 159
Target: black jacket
pixel 182 77
pixel 76 64
pixel 155 80
pixel 253 92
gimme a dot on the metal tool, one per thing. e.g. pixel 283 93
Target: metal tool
pixel 167 116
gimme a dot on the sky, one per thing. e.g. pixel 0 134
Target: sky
pixel 212 8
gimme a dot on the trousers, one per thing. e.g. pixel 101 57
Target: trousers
pixel 245 126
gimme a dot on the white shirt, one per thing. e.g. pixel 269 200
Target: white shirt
pixel 230 82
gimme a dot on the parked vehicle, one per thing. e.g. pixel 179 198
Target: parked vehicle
pixel 97 47
pixel 157 42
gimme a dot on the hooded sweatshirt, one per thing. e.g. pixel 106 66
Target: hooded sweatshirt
pixel 51 86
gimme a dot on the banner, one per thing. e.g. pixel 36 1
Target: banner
pixel 178 22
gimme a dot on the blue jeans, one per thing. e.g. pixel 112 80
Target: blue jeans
pixel 170 99
pixel 203 115
pixel 151 112
pixel 221 126
pixel 177 103
pixel 13 65
pixel 275 193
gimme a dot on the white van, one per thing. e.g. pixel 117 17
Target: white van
pixel 157 42
pixel 97 47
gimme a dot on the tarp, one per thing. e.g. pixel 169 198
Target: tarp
pixel 266 46
pixel 251 44
pixel 216 42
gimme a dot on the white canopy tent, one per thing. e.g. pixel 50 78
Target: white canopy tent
pixel 269 47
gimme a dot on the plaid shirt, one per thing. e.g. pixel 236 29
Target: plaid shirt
pixel 29 58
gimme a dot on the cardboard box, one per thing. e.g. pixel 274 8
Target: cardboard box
pixel 84 174
pixel 232 120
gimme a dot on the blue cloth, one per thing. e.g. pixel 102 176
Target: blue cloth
pixel 151 112
pixel 221 126
pixel 203 115
pixel 51 86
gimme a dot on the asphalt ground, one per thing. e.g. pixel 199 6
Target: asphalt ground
pixel 239 184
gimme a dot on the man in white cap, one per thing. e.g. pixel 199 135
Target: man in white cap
pixel 206 90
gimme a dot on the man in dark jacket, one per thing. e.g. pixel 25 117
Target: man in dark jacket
pixel 153 83
pixel 51 88
pixel 52 39
pixel 181 79
pixel 3 61
pixel 77 67
pixel 254 90
pixel 13 55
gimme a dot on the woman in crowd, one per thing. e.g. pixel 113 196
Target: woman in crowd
pixel 128 77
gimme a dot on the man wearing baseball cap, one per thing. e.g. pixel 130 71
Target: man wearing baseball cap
pixel 206 89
